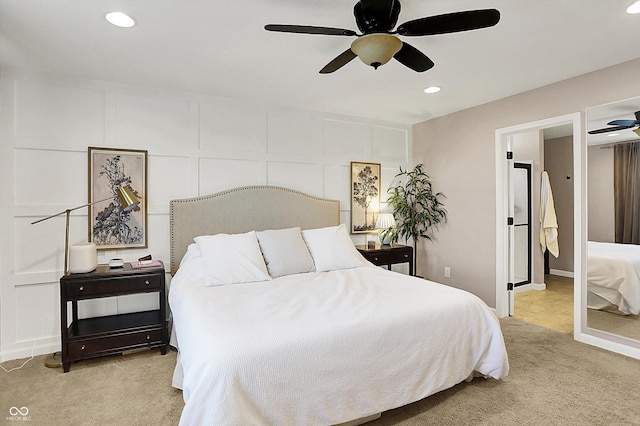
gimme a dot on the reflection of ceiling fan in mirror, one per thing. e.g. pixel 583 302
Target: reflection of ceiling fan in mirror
pixel 378 42
pixel 620 125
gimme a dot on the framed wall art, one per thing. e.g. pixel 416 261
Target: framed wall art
pixel 111 227
pixel 365 197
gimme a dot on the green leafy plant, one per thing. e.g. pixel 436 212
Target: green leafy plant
pixel 417 209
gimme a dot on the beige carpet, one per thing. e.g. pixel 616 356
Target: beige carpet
pixel 553 381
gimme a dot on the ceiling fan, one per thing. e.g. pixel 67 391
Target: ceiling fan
pixel 378 42
pixel 620 125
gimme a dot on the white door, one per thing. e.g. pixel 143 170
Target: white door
pixel 510 227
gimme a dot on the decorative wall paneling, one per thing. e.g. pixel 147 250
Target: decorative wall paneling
pixel 197 144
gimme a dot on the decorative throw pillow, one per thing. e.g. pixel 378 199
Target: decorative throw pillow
pixel 232 259
pixel 332 248
pixel 285 252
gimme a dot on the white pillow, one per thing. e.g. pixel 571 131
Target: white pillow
pixel 332 248
pixel 232 259
pixel 285 252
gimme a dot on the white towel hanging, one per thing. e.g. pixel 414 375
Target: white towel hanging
pixel 548 219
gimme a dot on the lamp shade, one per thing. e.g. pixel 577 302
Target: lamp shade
pixel 376 49
pixel 127 198
pixel 385 221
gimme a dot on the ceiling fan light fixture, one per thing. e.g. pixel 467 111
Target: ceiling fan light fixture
pixel 376 49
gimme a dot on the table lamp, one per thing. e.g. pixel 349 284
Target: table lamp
pixel 384 222
pixel 127 200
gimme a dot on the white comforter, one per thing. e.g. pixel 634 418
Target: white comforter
pixel 614 274
pixel 324 348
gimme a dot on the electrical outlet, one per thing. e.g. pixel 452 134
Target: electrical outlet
pixel 447 272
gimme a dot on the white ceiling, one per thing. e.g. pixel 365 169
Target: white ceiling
pixel 220 48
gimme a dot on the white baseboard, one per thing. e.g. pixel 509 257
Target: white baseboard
pixel 31 348
pixel 561 273
pixel 530 286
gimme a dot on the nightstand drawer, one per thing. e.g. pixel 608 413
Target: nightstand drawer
pixel 386 257
pixel 97 288
pixel 88 347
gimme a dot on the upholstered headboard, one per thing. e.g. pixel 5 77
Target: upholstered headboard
pixel 246 209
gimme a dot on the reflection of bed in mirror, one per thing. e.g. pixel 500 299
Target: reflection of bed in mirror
pixel 613 277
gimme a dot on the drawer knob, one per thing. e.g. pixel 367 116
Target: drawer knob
pixel 146 282
pixel 81 288
pixel 148 337
pixel 375 258
pixel 82 348
pixel 406 255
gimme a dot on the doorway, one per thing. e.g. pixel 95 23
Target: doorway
pixel 504 290
pixel 553 307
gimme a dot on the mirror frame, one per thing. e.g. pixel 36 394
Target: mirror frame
pixel 604 339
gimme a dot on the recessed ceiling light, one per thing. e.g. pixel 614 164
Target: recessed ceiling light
pixel 120 19
pixel 634 8
pixel 432 89
pixel 613 134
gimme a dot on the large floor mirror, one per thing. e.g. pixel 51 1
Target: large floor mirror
pixel 613 221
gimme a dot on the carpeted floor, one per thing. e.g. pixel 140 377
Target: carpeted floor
pixel 553 381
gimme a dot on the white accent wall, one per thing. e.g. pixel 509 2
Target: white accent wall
pixel 197 144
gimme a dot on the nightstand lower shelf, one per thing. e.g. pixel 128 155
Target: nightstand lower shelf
pixel 90 327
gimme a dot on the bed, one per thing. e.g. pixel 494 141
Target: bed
pixel 613 277
pixel 337 341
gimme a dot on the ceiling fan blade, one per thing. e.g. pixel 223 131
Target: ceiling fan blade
pixel 305 29
pixel 609 129
pixel 450 23
pixel 413 58
pixel 628 123
pixel 340 61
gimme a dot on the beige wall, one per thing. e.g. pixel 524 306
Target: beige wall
pixel 458 151
pixel 600 207
pixel 558 162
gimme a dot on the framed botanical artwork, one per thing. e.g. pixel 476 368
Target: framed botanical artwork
pixel 365 197
pixel 110 226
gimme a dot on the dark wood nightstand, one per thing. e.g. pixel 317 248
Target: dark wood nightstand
pixel 93 337
pixel 388 255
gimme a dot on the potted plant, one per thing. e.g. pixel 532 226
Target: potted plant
pixel 417 209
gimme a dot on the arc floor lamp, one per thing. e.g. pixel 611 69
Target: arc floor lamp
pixel 127 200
